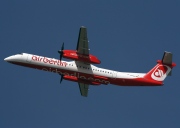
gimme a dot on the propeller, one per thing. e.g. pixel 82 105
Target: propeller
pixel 60 57
pixel 61 52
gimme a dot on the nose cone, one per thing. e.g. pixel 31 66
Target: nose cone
pixel 8 59
pixel 14 58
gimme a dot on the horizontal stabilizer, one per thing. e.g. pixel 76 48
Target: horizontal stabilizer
pixel 167 58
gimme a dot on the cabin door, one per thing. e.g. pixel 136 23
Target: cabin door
pixel 29 58
pixel 114 74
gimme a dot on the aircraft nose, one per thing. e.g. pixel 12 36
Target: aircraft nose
pixel 8 59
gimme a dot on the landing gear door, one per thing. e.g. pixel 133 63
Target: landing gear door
pixel 29 58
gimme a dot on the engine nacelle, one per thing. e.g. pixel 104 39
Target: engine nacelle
pixel 72 54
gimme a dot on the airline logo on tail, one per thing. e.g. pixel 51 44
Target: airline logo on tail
pixel 160 72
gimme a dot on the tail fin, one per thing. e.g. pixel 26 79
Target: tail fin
pixel 162 69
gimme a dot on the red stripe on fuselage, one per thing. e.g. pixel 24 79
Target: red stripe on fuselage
pixel 91 77
pixel 79 75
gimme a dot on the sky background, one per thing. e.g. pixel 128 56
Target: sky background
pixel 126 35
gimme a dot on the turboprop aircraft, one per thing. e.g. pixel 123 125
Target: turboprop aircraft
pixel 82 70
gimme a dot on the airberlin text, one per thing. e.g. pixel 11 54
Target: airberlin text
pixel 78 75
pixel 48 60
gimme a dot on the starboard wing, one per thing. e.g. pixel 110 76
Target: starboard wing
pixel 82 44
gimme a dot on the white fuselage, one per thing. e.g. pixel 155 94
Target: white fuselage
pixel 73 68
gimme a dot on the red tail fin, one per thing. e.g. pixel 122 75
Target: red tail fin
pixel 162 69
pixel 159 72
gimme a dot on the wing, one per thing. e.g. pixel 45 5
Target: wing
pixel 83 48
pixel 83 89
pixel 82 44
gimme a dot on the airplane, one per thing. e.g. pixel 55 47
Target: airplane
pixel 81 69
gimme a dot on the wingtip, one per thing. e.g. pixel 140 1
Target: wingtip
pixel 83 27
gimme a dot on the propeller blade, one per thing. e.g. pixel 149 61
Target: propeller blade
pixel 61 52
pixel 61 79
pixel 62 48
pixel 60 57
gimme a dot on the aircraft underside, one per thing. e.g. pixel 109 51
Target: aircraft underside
pixel 82 71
